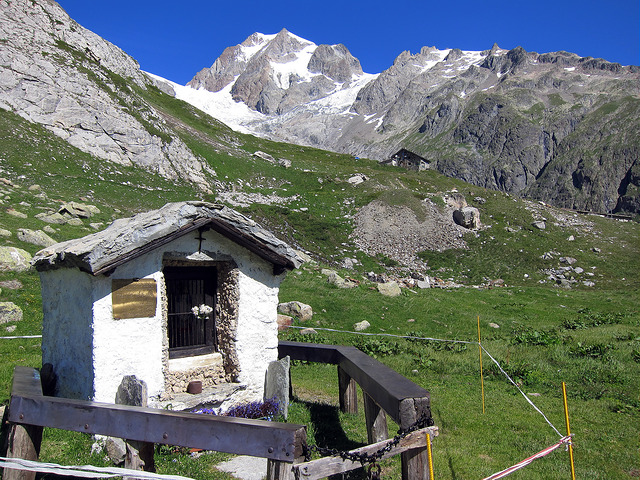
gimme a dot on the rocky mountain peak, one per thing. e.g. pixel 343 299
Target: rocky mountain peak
pixel 77 85
pixel 336 62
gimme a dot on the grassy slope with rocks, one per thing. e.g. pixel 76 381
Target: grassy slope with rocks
pixel 588 337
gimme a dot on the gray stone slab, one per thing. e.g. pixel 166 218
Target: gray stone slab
pixel 245 468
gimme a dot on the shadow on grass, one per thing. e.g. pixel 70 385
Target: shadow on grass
pixel 329 433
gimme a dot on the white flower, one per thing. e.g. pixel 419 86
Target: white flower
pixel 202 311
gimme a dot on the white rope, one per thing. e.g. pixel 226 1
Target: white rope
pixel 449 341
pixel 86 471
pixel 527 461
pixel 22 336
pixel 523 394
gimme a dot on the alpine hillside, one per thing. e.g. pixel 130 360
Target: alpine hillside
pixel 556 127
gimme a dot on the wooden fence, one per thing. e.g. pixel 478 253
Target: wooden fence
pixel 283 444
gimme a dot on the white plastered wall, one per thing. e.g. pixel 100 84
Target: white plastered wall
pixel 91 351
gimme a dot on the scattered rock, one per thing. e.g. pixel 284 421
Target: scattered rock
pixel 52 218
pixel 14 259
pixel 389 289
pixel 539 224
pixel 10 312
pixel 455 200
pixel 357 179
pixel 11 328
pixel 15 213
pixel 11 284
pixel 116 449
pixel 567 260
pixel 422 284
pixel 284 321
pixel 264 156
pixel 35 237
pixel 479 200
pixel 284 162
pixel 5 233
pixel 588 283
pixel 301 311
pixel 308 331
pixel 97 225
pixel 335 279
pixel 361 326
pixel 305 257
pixel 494 325
pixel 596 250
pixel 571 238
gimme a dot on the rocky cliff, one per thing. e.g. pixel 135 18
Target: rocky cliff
pixel 84 89
pixel 554 126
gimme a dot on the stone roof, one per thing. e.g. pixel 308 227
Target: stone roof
pixel 128 238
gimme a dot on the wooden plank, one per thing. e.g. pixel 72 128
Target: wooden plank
pixel 385 386
pixel 310 352
pixel 323 467
pixel 348 392
pixel 375 419
pixel 278 441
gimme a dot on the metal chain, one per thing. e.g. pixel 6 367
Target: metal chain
pixel 363 458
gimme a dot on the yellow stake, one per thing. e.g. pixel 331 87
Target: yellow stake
pixel 566 418
pixel 481 374
pixel 429 456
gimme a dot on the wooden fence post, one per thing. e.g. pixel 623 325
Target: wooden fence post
pixel 348 390
pixel 23 442
pixel 376 420
pixel 415 463
pixel 279 470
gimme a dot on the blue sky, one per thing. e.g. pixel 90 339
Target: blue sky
pixel 177 39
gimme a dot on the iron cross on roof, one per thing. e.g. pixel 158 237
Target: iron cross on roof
pixel 200 238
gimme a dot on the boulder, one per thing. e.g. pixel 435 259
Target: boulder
pixel 360 326
pixel 389 289
pixel 35 237
pixel 14 259
pixel 10 312
pixel 467 217
pixel 301 311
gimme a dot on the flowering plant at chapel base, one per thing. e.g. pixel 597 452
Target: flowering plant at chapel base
pixel 202 311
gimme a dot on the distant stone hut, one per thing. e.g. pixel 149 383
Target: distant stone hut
pixel 409 160
pixel 187 292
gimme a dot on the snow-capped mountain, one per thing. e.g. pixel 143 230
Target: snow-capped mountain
pixel 527 123
pixel 287 88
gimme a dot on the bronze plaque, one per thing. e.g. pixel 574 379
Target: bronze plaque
pixel 132 298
